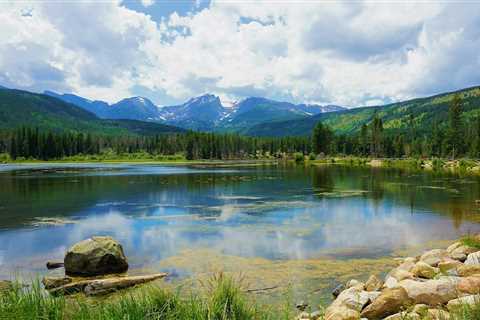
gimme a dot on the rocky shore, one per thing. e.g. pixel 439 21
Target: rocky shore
pixel 433 286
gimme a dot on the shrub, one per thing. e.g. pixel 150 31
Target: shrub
pixel 299 157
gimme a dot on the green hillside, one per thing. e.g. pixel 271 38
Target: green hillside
pixel 421 113
pixel 21 108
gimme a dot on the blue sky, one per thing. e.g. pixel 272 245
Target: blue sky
pixel 347 53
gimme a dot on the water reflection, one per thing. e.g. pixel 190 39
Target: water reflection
pixel 270 212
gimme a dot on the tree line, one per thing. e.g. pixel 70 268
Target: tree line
pixel 458 137
pixel 30 143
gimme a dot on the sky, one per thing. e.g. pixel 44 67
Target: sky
pixel 350 53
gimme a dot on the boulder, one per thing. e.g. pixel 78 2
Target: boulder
pixel 355 283
pixel 354 298
pixel 373 283
pixel 469 285
pixel 400 274
pixel 389 302
pixel 449 267
pixel 424 270
pixel 341 313
pixel 431 292
pixel 473 259
pixel 466 270
pixel 459 303
pixel 434 257
pixel 95 256
pixel 390 282
pixel 454 246
pixel 408 264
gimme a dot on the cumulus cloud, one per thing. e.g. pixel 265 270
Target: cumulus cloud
pixel 147 3
pixel 326 52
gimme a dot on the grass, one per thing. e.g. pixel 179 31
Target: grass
pixel 467 312
pixel 471 241
pixel 223 299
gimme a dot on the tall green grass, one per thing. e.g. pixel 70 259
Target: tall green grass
pixel 223 299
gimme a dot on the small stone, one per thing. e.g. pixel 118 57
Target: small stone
pixel 434 257
pixel 373 283
pixel 473 259
pixel 303 316
pixel 468 270
pixel 454 246
pixel 316 315
pixel 424 270
pixel 302 305
pixel 338 289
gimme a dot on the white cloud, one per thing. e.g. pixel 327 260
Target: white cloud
pixel 328 52
pixel 147 3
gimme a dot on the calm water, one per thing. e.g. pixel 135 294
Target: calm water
pixel 274 212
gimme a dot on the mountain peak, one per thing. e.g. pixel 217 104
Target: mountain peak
pixel 203 99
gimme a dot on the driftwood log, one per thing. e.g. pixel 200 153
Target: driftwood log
pixel 95 287
pixel 54 264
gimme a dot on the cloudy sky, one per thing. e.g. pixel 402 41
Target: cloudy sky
pixel 347 53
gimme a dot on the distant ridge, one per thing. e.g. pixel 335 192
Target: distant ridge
pixel 22 108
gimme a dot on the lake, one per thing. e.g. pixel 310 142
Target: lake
pixel 282 227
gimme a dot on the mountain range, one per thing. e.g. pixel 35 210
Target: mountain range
pixel 203 113
pixel 253 116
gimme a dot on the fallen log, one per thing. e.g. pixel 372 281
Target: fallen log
pixel 105 286
pixel 95 287
pixel 54 264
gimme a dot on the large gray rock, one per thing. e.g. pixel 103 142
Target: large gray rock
pixel 95 256
pixel 431 292
pixel 434 257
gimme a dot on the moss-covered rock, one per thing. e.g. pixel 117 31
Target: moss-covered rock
pixel 95 256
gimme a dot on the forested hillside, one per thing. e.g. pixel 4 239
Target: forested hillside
pixel 25 109
pixel 422 114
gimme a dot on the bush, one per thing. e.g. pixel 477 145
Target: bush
pixel 312 156
pixel 299 157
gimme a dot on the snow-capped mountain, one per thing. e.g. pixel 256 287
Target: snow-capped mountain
pixel 203 113
pixel 200 113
